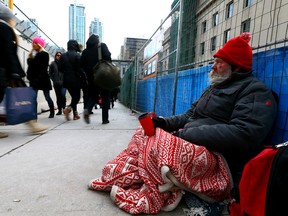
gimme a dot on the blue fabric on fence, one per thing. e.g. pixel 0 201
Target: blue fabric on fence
pixel 270 66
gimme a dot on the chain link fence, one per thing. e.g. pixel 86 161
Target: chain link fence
pixel 178 56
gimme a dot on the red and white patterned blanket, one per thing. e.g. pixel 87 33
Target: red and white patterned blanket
pixel 152 172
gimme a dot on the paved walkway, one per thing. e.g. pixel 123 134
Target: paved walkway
pixel 47 175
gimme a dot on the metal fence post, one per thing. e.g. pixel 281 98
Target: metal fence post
pixel 177 56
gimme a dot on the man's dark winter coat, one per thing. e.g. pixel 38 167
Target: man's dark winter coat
pixel 233 119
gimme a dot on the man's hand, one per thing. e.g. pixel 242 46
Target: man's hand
pixel 177 133
pixel 159 122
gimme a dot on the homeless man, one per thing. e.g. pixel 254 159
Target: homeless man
pixel 199 150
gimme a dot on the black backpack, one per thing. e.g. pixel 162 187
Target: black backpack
pixel 263 187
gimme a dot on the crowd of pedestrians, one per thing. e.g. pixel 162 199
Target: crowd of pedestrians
pixel 70 72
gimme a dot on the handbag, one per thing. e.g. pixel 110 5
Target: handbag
pixel 105 74
pixel 20 103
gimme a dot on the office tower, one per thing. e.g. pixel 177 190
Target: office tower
pixel 131 47
pixel 77 23
pixel 96 27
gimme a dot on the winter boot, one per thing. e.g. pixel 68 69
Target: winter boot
pixel 59 106
pixel 67 112
pixel 86 116
pixel 36 127
pixel 52 112
pixel 76 116
pixel 59 112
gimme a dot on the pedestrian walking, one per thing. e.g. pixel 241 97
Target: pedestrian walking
pixel 37 72
pixel 57 79
pixel 72 77
pixel 9 62
pixel 114 95
pixel 89 59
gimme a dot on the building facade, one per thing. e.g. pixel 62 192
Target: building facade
pixel 77 23
pixel 131 47
pixel 218 21
pixel 209 24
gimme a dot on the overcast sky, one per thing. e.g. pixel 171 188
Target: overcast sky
pixel 120 18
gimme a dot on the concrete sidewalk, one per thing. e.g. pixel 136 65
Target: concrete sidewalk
pixel 43 175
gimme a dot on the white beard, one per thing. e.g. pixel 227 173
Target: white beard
pixel 216 79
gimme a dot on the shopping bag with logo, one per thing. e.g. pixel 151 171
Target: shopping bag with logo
pixel 20 105
pixel 105 74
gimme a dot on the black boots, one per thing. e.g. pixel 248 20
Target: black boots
pixel 59 112
pixel 52 111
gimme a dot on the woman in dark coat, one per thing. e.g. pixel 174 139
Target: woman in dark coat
pixel 89 58
pixel 9 62
pixel 70 66
pixel 37 73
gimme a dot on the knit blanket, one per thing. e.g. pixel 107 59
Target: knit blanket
pixel 152 173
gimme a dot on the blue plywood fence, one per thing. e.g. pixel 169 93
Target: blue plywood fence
pixel 157 94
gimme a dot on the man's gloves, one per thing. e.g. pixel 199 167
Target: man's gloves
pixel 177 133
pixel 159 122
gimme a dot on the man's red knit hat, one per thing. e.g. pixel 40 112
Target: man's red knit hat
pixel 237 52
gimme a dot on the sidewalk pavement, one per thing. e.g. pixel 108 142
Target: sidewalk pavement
pixel 47 174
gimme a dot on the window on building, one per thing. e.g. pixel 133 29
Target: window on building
pixel 204 26
pixel 229 10
pixel 202 48
pixel 215 19
pixel 213 43
pixel 245 27
pixel 153 66
pixel 247 3
pixel 226 35
pixel 146 70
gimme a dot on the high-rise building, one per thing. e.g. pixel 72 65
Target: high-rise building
pixel 131 48
pixel 77 23
pixel 96 28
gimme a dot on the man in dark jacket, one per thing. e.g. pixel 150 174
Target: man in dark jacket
pixel 234 115
pixel 57 78
pixel 89 59
pixel 232 118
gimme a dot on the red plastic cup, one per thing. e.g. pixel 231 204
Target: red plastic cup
pixel 147 124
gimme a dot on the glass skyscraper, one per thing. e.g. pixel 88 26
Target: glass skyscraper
pixel 96 27
pixel 77 23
